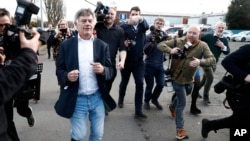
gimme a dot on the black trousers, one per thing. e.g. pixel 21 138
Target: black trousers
pixel 22 109
pixel 240 106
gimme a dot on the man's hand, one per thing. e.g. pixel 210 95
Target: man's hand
pixel 219 43
pixel 33 43
pixel 195 62
pixel 120 65
pixel 247 79
pixel 73 75
pixel 2 55
pixel 97 68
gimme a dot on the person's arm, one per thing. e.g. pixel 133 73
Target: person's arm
pixel 13 77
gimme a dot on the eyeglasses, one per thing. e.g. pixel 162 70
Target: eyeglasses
pixel 4 25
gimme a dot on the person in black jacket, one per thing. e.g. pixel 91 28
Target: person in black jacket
pixel 237 64
pixel 13 77
pixel 135 36
pixel 50 39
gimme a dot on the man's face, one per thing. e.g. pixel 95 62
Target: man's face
pixel 158 24
pixel 111 16
pixel 4 20
pixel 193 34
pixel 134 13
pixel 219 29
pixel 85 25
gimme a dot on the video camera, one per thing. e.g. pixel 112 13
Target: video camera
pixel 158 35
pixel 181 54
pixel 101 11
pixel 10 39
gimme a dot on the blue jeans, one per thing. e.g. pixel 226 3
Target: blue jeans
pixel 179 102
pixel 93 107
pixel 153 72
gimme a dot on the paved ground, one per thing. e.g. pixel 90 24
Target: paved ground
pixel 120 125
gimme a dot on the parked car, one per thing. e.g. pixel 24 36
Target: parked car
pixel 242 36
pixel 171 31
pixel 228 34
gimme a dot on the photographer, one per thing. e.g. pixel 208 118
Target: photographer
pixel 238 64
pixel 154 64
pixel 13 77
pixel 22 107
pixel 62 33
pixel 113 35
pixel 186 58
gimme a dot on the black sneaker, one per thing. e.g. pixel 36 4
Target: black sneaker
pixel 158 105
pixel 31 120
pixel 120 105
pixel 140 115
pixel 194 110
pixel 146 106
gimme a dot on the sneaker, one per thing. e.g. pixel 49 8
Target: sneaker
pixel 172 111
pixel 181 134
pixel 206 102
pixel 146 106
pixel 194 110
pixel 31 120
pixel 120 105
pixel 158 105
pixel 140 115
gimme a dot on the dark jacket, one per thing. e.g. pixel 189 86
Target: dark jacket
pixel 12 78
pixel 68 61
pixel 211 39
pixel 238 63
pixel 114 37
pixel 135 52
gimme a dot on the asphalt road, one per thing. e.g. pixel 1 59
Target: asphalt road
pixel 121 125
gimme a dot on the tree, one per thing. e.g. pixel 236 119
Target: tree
pixel 54 10
pixel 238 15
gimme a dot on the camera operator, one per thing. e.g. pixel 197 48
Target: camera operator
pixel 135 30
pixel 238 64
pixel 62 33
pixel 188 51
pixel 154 64
pixel 13 77
pixel 113 35
pixel 22 107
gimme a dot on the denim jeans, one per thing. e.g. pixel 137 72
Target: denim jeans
pixel 153 72
pixel 93 107
pixel 179 102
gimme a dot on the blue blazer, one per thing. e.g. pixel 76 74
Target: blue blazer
pixel 68 61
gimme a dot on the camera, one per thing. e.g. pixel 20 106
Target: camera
pixel 101 11
pixel 226 83
pixel 10 39
pixel 158 35
pixel 181 54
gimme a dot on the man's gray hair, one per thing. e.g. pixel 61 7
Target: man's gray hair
pixel 84 12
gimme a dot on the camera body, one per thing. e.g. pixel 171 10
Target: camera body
pixel 158 35
pixel 10 39
pixel 101 11
pixel 226 83
pixel 168 80
pixel 181 54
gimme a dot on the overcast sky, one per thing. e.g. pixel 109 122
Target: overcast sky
pixel 159 6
